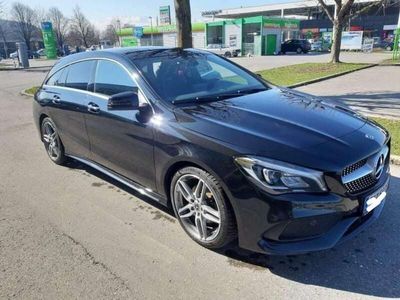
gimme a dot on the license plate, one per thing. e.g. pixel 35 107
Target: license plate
pixel 375 199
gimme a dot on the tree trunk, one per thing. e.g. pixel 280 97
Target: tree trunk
pixel 183 23
pixel 336 41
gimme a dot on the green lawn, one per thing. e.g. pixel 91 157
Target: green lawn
pixel 31 90
pixel 394 128
pixel 290 75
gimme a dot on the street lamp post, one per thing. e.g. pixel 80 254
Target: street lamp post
pixel 151 30
pixel 119 32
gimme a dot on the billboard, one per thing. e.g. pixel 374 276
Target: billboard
pixel 165 15
pixel 49 40
pixel 352 40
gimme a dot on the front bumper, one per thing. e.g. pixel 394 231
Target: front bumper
pixel 299 223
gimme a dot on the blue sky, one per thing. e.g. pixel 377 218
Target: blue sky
pixel 135 11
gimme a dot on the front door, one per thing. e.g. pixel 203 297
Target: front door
pixel 120 140
pixel 271 44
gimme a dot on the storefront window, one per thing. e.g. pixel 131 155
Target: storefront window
pixel 214 35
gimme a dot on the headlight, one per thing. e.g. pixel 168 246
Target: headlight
pixel 278 177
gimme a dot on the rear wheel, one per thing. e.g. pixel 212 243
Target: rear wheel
pixel 228 54
pixel 52 142
pixel 299 50
pixel 201 208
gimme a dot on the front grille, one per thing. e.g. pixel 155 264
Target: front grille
pixel 360 184
pixel 353 167
pixel 362 174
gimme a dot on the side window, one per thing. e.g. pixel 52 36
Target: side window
pixel 112 79
pixel 79 75
pixel 53 80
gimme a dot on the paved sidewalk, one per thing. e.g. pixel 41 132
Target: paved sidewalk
pixel 374 91
pixel 259 63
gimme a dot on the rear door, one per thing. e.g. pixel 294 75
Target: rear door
pixel 66 91
pixel 120 139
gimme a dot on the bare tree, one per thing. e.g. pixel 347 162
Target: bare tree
pixel 3 36
pixel 183 23
pixel 344 10
pixel 110 33
pixel 82 26
pixel 60 25
pixel 25 18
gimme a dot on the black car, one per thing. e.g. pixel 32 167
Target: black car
pixel 298 46
pixel 238 159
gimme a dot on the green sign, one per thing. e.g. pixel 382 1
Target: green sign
pixel 49 40
pixel 129 42
pixel 165 15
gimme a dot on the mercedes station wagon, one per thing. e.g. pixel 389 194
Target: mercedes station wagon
pixel 239 160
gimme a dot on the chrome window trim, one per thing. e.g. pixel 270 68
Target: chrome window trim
pixel 98 94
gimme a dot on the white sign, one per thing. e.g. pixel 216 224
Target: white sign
pixel 368 45
pixel 352 40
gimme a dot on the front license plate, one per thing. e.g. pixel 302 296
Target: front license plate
pixel 375 199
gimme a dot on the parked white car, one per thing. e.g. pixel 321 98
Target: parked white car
pixel 223 50
pixel 14 55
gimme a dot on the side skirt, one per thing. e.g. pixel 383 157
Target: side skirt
pixel 133 185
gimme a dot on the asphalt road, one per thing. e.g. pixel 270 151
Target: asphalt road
pixel 70 232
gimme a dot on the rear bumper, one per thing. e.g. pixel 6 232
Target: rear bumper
pixel 296 224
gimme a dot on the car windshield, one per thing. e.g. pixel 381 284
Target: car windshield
pixel 188 76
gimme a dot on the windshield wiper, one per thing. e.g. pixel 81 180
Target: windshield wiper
pixel 207 98
pixel 251 91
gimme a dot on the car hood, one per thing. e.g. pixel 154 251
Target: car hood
pixel 286 125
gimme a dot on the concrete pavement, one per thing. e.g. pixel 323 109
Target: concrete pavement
pixel 373 91
pixel 258 63
pixel 70 232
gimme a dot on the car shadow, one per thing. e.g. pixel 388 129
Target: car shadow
pixel 76 165
pixel 368 264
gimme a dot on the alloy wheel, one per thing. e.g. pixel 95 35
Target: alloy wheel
pixel 197 208
pixel 51 140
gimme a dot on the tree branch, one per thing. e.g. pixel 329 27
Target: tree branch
pixel 326 9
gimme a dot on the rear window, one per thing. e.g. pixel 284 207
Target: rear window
pixel 79 75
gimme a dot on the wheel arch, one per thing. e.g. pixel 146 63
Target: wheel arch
pixel 177 165
pixel 41 118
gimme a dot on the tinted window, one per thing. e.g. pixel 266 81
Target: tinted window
pixel 187 75
pixel 79 75
pixel 112 79
pixel 57 79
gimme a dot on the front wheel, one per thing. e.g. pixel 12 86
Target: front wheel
pixel 201 208
pixel 52 142
pixel 299 50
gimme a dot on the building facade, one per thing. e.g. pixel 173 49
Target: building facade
pixel 164 35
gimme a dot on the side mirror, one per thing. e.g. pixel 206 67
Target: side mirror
pixel 124 101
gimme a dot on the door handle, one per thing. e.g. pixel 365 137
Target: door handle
pixel 93 108
pixel 56 99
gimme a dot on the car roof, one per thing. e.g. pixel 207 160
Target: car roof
pixel 112 53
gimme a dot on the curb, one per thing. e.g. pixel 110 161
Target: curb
pixel 25 94
pixel 329 77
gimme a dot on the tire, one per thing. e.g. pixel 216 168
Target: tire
pixel 299 50
pixel 52 141
pixel 212 200
pixel 389 48
pixel 228 54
